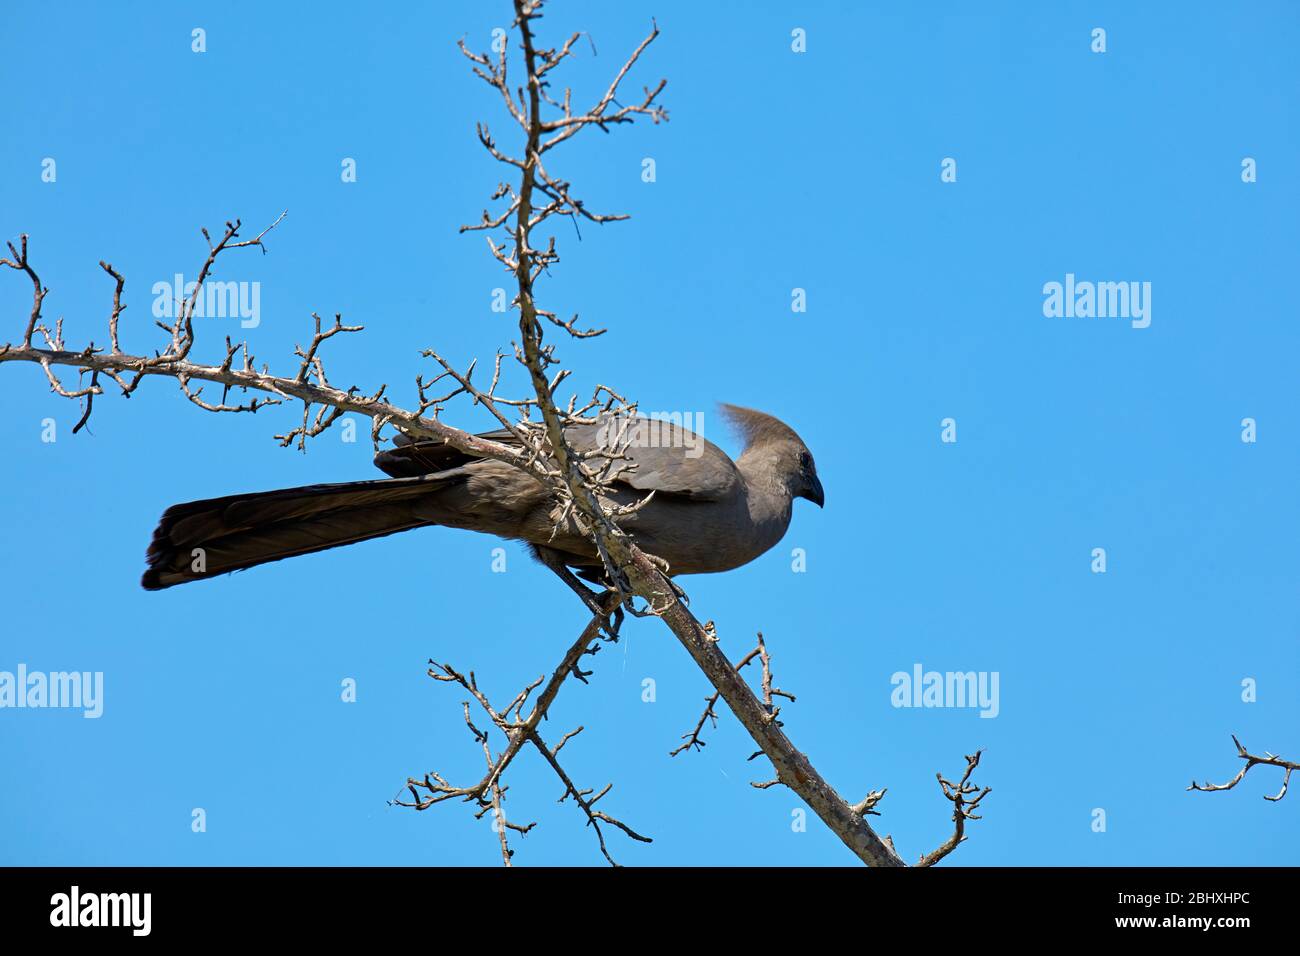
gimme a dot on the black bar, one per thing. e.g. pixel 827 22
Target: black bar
pixel 941 906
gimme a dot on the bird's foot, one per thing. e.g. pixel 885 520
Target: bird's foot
pixel 666 570
pixel 611 619
pixel 677 590
pixel 650 610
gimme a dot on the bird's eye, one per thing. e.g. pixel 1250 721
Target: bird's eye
pixel 805 460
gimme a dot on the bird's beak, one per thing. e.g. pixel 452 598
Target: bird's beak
pixel 815 493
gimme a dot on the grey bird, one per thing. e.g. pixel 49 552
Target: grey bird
pixel 707 513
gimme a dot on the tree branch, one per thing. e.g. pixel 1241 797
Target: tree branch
pixel 1252 760
pixel 488 792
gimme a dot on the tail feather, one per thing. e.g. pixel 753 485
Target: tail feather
pixel 202 539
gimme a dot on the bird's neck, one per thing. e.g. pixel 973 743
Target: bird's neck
pixel 763 472
pixel 768 489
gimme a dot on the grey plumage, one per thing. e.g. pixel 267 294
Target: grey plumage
pixel 708 513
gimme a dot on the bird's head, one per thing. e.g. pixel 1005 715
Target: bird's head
pixel 782 453
pixel 810 486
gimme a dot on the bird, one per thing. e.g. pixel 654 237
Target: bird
pixel 707 514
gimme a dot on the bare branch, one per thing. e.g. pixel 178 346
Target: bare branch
pixel 39 292
pixel 693 740
pixel 1252 760
pixel 963 808
pixel 581 798
pixel 488 792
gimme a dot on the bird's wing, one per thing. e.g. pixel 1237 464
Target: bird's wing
pixel 668 459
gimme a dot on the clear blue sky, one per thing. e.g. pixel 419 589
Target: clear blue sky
pixel 778 170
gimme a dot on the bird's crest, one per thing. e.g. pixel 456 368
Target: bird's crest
pixel 758 428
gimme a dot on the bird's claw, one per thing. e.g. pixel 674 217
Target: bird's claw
pixel 677 590
pixel 632 609
pixel 610 621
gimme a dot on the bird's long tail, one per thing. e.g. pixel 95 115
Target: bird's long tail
pixel 202 539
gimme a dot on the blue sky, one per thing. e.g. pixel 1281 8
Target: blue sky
pixel 778 170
